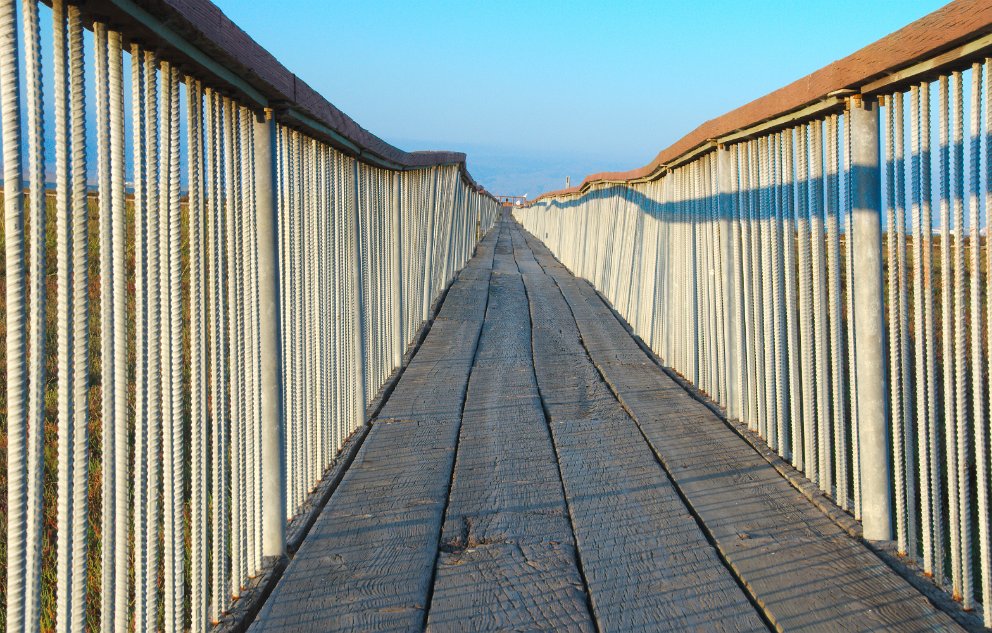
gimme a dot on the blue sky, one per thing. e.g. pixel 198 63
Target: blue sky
pixel 534 91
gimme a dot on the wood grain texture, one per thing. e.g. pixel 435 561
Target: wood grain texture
pixel 507 560
pixel 531 471
pixel 368 562
pixel 806 572
pixel 646 562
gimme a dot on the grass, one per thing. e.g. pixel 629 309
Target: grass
pixel 51 457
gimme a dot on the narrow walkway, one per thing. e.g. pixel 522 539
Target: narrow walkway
pixel 535 470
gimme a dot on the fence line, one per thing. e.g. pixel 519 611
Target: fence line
pixel 756 262
pixel 186 353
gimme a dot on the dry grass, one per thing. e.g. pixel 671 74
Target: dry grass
pixel 93 579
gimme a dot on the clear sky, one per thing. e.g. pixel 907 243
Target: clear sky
pixel 536 90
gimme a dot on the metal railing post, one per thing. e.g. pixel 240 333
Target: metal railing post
pixel 359 280
pixel 273 418
pixel 399 336
pixel 724 168
pixel 869 322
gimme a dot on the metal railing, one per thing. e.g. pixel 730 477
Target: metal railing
pixel 209 274
pixel 751 257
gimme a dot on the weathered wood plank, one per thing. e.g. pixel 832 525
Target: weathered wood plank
pixel 806 572
pixel 368 562
pixel 507 558
pixel 646 562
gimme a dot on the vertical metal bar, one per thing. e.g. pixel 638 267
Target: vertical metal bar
pixel 947 334
pixel 153 400
pixel 359 275
pixel 904 332
pixel 218 380
pixel 837 358
pixel 808 463
pixel 936 457
pixel 199 420
pixel 80 321
pixel 869 323
pixel 821 371
pixel 233 342
pixel 902 306
pixel 779 245
pixel 768 229
pixel 791 303
pixel 851 339
pixel 747 303
pixel 141 330
pixel 119 614
pixel 760 376
pixel 63 222
pixel 960 348
pixel 920 366
pixel 270 334
pixel 396 240
pixel 724 166
pixel 16 286
pixel 35 430
pixel 175 525
pixel 977 327
pixel 108 385
pixel 895 333
pixel 981 426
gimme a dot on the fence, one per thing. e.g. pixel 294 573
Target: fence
pixel 750 256
pixel 203 292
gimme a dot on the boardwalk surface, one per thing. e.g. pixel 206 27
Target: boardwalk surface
pixel 534 470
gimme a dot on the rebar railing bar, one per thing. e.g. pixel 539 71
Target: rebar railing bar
pixel 63 230
pixel 851 329
pixel 960 345
pixel 921 284
pixel 174 456
pixel 981 426
pixel 107 357
pixel 809 461
pixel 907 449
pixel 947 340
pixel 838 388
pixel 821 366
pixel 795 393
pixel 976 333
pixel 199 353
pixel 30 532
pixel 18 378
pixel 80 322
pixel 893 122
pixel 781 241
pixel 934 447
pixel 153 462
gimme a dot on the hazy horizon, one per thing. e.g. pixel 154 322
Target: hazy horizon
pixel 535 92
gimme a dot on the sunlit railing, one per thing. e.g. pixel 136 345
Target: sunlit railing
pixel 210 272
pixel 751 257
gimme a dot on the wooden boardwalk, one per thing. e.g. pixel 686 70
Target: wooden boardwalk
pixel 534 469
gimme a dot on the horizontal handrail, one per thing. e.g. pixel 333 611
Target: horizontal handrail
pixel 944 40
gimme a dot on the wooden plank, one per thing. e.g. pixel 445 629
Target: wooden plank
pixel 646 562
pixel 368 562
pixel 507 560
pixel 805 571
